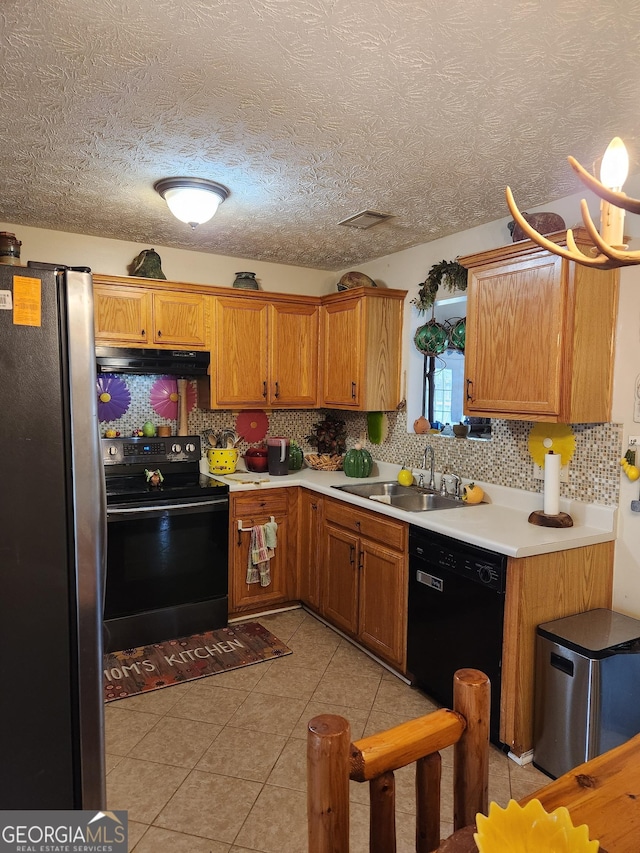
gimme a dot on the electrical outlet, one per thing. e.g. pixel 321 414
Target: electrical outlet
pixel 634 440
pixel 538 473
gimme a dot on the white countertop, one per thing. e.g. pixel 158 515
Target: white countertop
pixel 500 524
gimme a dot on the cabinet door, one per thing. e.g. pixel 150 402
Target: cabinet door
pixel 515 338
pixel 382 622
pixel 179 319
pixel 309 551
pixel 341 353
pixel 122 315
pixel 340 579
pixel 254 511
pixel 240 347
pixel 293 355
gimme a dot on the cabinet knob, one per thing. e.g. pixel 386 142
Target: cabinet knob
pixel 142 333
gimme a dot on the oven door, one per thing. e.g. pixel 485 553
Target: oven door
pixel 167 572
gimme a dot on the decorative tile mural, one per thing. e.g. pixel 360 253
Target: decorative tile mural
pixel 594 472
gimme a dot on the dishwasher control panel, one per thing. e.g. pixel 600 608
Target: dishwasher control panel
pixel 430 551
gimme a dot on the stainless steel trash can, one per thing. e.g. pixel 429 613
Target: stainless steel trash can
pixel 587 692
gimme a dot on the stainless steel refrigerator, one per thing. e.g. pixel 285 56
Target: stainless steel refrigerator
pixel 52 543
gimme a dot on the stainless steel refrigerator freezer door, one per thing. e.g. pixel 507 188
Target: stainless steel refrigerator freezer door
pixel 90 534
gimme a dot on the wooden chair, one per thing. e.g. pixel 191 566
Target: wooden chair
pixel 332 760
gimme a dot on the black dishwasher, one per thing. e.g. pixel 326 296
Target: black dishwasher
pixel 456 614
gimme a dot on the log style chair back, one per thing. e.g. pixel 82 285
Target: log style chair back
pixel 332 760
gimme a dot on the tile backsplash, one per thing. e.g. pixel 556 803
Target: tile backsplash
pixel 594 472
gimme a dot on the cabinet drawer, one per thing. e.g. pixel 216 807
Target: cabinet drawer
pixel 371 525
pixel 258 504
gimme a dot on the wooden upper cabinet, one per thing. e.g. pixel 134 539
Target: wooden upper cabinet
pixel 122 315
pixel 293 354
pixel 540 336
pixel 239 352
pixel 361 346
pixel 135 315
pixel 179 319
pixel 264 352
pixel 268 350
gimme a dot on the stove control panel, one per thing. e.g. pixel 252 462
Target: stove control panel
pixel 136 450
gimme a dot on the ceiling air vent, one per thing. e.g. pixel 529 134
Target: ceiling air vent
pixel 365 219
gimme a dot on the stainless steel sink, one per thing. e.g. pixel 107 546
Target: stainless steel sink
pixel 408 498
pixel 424 501
pixel 367 490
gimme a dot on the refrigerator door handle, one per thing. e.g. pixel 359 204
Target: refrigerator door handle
pixel 89 533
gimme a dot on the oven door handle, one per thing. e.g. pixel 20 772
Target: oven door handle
pixel 132 512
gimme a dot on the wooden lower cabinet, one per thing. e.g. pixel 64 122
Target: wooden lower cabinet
pixel 364 578
pixel 310 514
pixel 539 589
pixel 253 509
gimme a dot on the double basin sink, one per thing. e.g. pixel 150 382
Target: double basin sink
pixel 408 498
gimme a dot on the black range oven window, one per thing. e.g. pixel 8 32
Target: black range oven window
pixel 165 557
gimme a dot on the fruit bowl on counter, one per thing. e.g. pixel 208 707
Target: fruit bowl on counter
pixel 324 461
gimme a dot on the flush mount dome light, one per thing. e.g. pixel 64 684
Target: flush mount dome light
pixel 191 200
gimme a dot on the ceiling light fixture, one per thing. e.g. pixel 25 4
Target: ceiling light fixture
pixel 610 251
pixel 191 200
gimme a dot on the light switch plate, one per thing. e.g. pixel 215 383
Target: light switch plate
pixel 538 473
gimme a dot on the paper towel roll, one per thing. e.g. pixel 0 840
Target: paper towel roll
pixel 551 504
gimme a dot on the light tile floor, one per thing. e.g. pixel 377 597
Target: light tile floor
pixel 217 765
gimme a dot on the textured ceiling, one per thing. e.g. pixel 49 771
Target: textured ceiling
pixel 309 111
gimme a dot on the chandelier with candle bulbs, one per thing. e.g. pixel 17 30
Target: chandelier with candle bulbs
pixel 609 249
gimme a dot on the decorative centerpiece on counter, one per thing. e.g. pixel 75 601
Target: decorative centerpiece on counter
pixel 357 462
pixel 330 439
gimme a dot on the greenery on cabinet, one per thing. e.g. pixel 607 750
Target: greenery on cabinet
pixel 447 274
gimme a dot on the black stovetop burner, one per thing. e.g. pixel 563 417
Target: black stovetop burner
pixel 135 488
pixel 127 461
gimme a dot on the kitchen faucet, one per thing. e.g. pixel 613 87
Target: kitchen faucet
pixel 432 481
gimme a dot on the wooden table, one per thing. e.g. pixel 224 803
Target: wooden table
pixel 604 793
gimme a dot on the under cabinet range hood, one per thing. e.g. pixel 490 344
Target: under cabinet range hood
pixel 145 361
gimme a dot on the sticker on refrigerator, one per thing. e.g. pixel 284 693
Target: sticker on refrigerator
pixel 5 300
pixel 27 301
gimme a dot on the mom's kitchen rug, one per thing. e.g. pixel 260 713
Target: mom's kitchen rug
pixel 160 665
